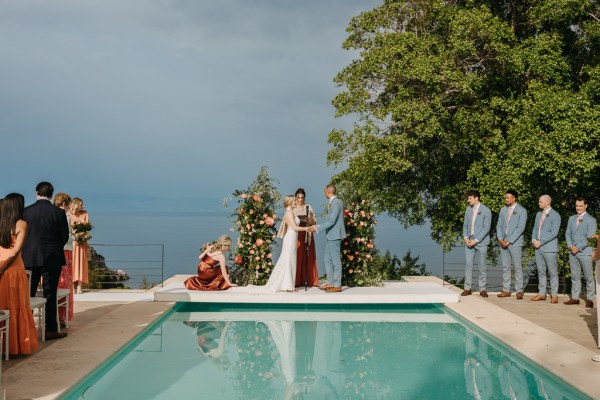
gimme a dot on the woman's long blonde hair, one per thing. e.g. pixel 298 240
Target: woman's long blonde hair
pixel 220 244
pixel 76 202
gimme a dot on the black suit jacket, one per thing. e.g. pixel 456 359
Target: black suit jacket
pixel 47 233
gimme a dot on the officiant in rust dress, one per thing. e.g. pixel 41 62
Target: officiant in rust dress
pixel 306 219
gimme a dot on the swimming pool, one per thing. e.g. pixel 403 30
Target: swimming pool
pixel 246 351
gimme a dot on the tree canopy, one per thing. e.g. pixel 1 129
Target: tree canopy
pixel 457 95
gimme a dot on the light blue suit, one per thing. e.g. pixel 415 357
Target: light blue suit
pixel 481 233
pixel 335 232
pixel 513 253
pixel 578 236
pixel 547 255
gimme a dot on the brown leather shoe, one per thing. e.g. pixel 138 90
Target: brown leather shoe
pixel 466 293
pixel 325 287
pixel 333 289
pixel 483 293
pixel 519 296
pixel 55 335
pixel 589 304
pixel 571 302
pixel 538 297
pixel 504 294
pixel 553 299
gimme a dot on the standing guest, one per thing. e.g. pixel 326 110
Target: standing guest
pixel 43 250
pixel 14 286
pixel 545 240
pixel 334 232
pixel 580 228
pixel 65 281
pixel 212 267
pixel 509 230
pixel 307 218
pixel 476 234
pixel 80 250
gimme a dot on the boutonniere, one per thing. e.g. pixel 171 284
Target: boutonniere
pixel 479 213
pixel 579 219
pixel 514 213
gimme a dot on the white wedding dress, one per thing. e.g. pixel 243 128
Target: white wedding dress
pixel 283 276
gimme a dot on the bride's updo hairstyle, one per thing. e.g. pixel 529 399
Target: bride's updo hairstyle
pixel 288 200
pixel 222 243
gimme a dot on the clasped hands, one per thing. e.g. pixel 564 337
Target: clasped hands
pixel 504 243
pixel 312 229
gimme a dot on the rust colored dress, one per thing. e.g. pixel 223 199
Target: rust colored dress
pixel 209 276
pixel 80 251
pixel 313 275
pixel 14 296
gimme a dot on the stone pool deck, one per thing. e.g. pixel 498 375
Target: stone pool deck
pixel 560 338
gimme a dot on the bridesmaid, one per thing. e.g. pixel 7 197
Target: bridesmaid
pixel 14 285
pixel 62 200
pixel 80 250
pixel 212 268
pixel 305 220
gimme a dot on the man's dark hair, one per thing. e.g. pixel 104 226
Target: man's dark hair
pixel 581 198
pixel 513 193
pixel 44 189
pixel 474 193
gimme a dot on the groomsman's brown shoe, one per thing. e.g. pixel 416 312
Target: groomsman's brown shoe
pixel 538 297
pixel 504 294
pixel 325 286
pixel 483 293
pixel 466 293
pixel 554 299
pixel 571 302
pixel 333 289
pixel 520 296
pixel 589 304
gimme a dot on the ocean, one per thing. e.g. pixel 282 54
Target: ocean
pixel 134 242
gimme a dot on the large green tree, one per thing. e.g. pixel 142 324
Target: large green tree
pixel 453 95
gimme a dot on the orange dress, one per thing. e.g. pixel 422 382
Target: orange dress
pixel 80 252
pixel 14 296
pixel 301 268
pixel 209 276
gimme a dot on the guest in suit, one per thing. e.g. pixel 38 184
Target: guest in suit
pixel 509 230
pixel 335 232
pixel 14 287
pixel 476 234
pixel 580 228
pixel 544 238
pixel 43 250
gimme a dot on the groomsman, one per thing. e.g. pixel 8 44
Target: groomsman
pixel 581 227
pixel 545 240
pixel 509 230
pixel 476 234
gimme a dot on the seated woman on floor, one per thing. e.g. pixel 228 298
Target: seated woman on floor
pixel 212 268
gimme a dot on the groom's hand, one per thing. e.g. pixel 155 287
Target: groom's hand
pixel 312 229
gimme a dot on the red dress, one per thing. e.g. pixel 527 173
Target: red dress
pixel 301 268
pixel 209 276
pixel 14 296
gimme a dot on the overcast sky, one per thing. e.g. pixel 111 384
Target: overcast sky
pixel 115 100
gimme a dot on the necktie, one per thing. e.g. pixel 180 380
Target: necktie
pixel 510 211
pixel 473 216
pixel 542 218
pixel 578 221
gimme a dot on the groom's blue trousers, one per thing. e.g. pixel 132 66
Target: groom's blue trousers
pixel 333 262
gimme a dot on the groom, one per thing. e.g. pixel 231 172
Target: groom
pixel 335 232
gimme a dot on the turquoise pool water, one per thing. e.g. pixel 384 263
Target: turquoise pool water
pixel 224 351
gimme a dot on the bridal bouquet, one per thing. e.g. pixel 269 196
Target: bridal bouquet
pixel 81 232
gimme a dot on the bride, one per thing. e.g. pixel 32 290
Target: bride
pixel 284 274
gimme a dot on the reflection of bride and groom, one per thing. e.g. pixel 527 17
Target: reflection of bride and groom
pixel 298 223
pixel 307 353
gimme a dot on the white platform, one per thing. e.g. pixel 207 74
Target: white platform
pixel 390 293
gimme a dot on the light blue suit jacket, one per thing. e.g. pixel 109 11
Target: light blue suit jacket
pixel 482 225
pixel 579 235
pixel 334 222
pixel 516 225
pixel 548 236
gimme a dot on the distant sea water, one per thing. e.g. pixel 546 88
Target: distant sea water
pixel 183 233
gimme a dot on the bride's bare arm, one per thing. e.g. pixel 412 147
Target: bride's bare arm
pixel 291 222
pixel 220 257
